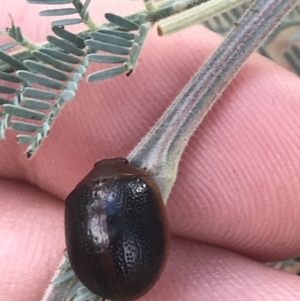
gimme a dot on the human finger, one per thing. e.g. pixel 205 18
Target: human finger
pixel 32 245
pixel 238 183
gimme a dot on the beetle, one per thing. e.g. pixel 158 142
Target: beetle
pixel 117 231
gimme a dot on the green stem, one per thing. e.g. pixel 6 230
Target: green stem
pixel 91 24
pixel 196 15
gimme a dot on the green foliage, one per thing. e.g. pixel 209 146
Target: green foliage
pixel 50 77
pixel 38 80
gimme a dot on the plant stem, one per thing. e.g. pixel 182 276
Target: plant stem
pixel 164 9
pixel 196 15
pixel 150 6
pixel 161 149
pixel 91 24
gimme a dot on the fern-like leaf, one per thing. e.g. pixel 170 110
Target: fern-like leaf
pixel 49 78
pixel 15 32
pixel 78 8
pixel 124 46
pixel 11 86
pixel 47 83
pixel 7 46
pixel 122 22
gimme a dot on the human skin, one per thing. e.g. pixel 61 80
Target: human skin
pixel 234 205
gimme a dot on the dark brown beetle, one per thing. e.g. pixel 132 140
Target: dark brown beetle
pixel 116 230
